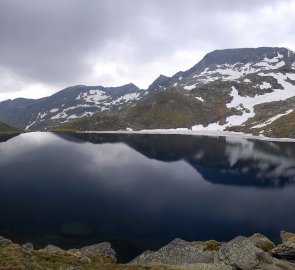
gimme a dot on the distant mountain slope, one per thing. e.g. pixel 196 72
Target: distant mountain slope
pixel 68 104
pixel 246 90
pixel 250 90
pixel 4 128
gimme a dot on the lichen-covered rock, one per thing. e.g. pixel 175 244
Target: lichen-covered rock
pixel 4 242
pixel 179 252
pixel 240 253
pixel 101 249
pixel 27 249
pixel 285 251
pixel 286 236
pixel 52 248
pixel 267 262
pixel 262 242
pixel 28 246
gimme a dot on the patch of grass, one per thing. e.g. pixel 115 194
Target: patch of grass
pixel 6 129
pixel 266 246
pixel 12 257
pixel 212 245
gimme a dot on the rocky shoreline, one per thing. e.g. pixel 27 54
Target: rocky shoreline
pixel 256 252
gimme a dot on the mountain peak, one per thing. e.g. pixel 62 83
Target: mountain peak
pixel 159 82
pixel 244 56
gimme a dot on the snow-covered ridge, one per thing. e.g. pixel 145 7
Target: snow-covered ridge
pixel 227 72
pixel 245 77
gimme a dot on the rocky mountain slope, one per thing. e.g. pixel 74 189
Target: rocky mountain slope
pixel 4 128
pixel 68 104
pixel 248 90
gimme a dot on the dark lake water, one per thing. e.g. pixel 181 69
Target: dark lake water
pixel 141 191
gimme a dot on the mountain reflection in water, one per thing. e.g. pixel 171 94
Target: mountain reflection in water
pixel 141 191
pixel 223 160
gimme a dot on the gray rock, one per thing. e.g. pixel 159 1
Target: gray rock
pixel 4 242
pixel 28 246
pixel 103 249
pixel 179 253
pixel 27 249
pixel 269 263
pixel 52 248
pixel 285 251
pixel 240 253
pixel 262 242
pixel 286 236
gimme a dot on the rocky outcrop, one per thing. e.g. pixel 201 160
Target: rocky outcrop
pixel 262 242
pixel 180 253
pixel 287 236
pixel 286 250
pixel 4 242
pixel 241 253
pixel 104 249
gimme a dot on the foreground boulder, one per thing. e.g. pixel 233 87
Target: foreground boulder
pixel 285 251
pixel 286 236
pixel 180 253
pixel 262 242
pixel 241 253
pixel 101 249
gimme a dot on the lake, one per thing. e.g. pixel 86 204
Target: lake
pixel 141 191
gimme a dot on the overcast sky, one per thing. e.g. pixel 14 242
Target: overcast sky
pixel 48 45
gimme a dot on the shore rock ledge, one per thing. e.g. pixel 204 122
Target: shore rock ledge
pixel 241 253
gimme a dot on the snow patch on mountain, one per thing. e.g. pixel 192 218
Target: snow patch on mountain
pixel 249 102
pixel 60 115
pixel 189 87
pixel 200 99
pixel 54 110
pixel 211 127
pixel 93 96
pixel 265 85
pixel 127 97
pixel 271 120
pixel 231 72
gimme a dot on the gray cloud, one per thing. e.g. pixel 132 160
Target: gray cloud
pixel 60 43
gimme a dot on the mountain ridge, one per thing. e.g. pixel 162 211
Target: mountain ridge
pixel 6 129
pixel 241 96
pixel 247 89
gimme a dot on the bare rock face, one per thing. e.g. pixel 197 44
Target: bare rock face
pixel 179 253
pixel 241 253
pixel 103 249
pixel 285 251
pixel 4 242
pixel 52 248
pixel 262 242
pixel 286 236
pixel 93 253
